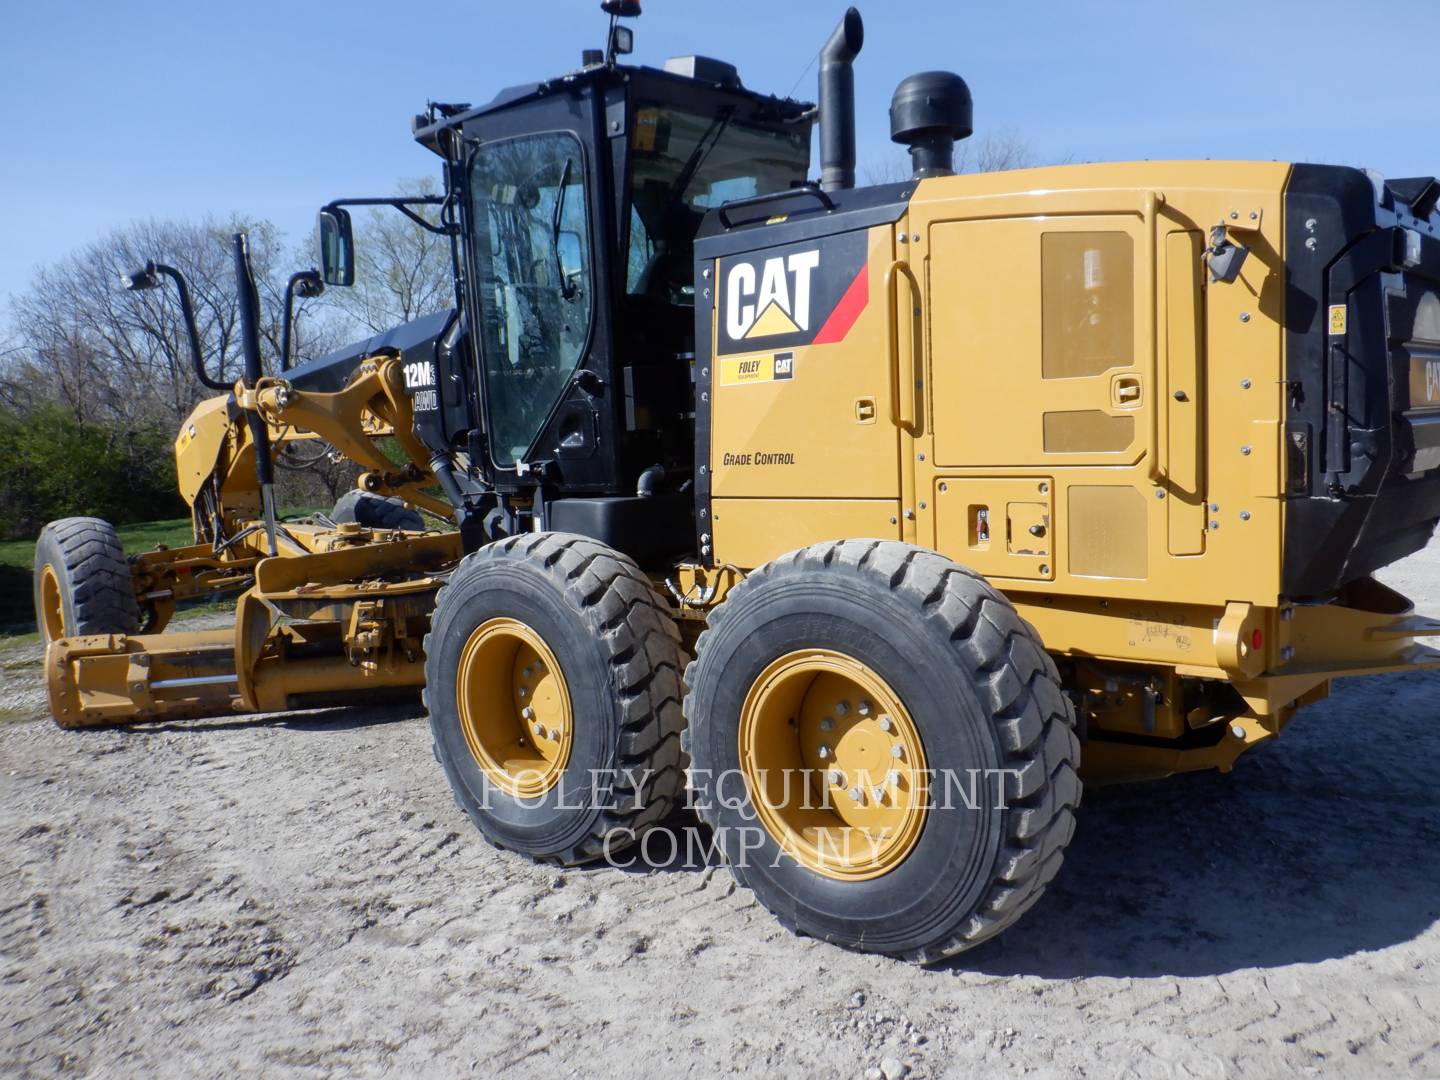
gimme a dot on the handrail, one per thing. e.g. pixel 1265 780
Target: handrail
pixel 1151 215
pixel 773 196
pixel 906 420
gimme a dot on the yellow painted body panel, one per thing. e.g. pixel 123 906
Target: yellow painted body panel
pixel 1060 398
pixel 1063 332
pixel 807 436
pixel 754 531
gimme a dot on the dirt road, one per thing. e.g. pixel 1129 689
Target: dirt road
pixel 302 896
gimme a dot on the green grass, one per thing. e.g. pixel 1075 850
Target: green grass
pixel 17 567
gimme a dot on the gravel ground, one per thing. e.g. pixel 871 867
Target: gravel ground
pixel 301 896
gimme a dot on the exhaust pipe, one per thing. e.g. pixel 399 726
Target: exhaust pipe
pixel 837 103
pixel 247 298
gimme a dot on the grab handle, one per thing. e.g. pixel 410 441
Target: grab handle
pixel 902 369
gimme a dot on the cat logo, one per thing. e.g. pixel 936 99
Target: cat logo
pixel 783 303
pixel 808 293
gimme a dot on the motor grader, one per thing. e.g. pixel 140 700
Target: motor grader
pixel 884 513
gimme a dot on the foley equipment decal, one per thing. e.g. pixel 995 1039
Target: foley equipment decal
pixel 808 293
pixel 746 370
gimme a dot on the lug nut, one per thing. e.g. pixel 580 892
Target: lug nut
pixel 1237 730
pixel 879 794
pixel 864 709
pixel 522 692
pixel 837 778
pixel 824 751
pixel 826 724
pixel 885 724
pixel 896 752
pixel 841 708
pixel 856 795
pixel 893 778
pixel 554 734
pixel 539 730
pixel 528 713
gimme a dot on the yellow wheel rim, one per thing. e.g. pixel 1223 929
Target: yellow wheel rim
pixel 834 765
pixel 514 707
pixel 52 607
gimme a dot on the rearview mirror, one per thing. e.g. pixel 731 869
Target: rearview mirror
pixel 337 247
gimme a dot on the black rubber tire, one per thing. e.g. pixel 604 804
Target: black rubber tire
pixel 982 692
pixel 619 649
pixel 97 591
pixel 376 511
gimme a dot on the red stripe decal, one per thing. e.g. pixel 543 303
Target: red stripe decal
pixel 847 310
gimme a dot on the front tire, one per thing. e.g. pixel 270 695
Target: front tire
pixel 832 663
pixel 553 686
pixel 83 583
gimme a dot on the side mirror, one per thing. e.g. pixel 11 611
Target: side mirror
pixel 337 247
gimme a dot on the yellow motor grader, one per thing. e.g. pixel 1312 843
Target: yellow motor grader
pixel 882 513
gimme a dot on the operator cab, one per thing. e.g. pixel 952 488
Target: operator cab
pixel 576 202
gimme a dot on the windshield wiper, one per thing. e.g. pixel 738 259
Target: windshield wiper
pixel 567 287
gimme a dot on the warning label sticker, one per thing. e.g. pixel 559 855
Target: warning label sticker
pixel 1337 320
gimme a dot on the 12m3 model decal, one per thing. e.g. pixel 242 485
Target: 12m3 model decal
pixel 808 293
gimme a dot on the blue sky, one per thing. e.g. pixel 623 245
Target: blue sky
pixel 116 111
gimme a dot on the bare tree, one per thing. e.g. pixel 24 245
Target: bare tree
pixel 120 357
pixel 401 270
pixel 995 151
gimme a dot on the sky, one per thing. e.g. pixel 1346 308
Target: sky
pixel 115 111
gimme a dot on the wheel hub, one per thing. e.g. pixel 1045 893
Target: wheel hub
pixel 514 707
pixel 834 764
pixel 52 606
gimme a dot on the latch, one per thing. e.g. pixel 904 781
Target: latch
pixel 1125 392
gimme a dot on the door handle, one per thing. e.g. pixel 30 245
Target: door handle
pixel 1125 392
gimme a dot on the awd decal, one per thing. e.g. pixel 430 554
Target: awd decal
pixel 744 370
pixel 798 294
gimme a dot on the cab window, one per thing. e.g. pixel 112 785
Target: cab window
pixel 533 274
pixel 682 165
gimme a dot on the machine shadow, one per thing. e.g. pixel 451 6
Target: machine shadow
pixel 1324 845
pixel 340 718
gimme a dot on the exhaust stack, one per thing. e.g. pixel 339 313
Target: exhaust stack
pixel 837 103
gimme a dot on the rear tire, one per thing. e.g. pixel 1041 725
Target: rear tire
pixel 83 583
pixel 376 511
pixel 971 688
pixel 608 764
